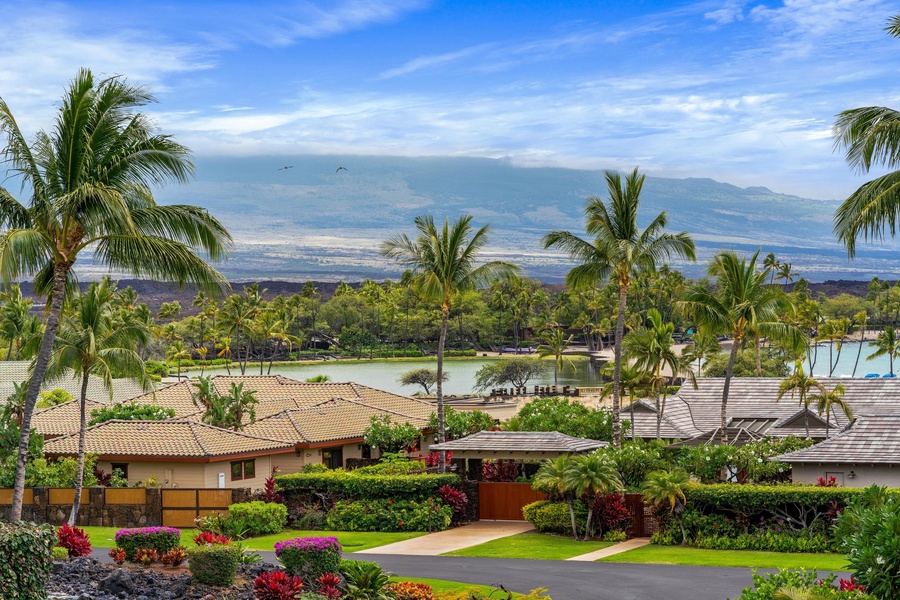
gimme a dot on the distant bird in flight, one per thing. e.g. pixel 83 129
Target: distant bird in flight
pixel 288 167
pixel 340 169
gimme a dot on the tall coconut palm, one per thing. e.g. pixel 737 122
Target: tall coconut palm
pixel 588 476
pixel 652 349
pixel 92 341
pixel 618 251
pixel 443 262
pixel 869 136
pixel 634 381
pixel 771 264
pixel 741 304
pixel 90 180
pixel 553 343
pixel 886 344
pixel 705 345
pixel 786 273
pixel 801 384
pixel 826 400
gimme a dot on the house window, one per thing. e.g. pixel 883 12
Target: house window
pixel 121 467
pixel 243 469
pixel 366 451
pixel 333 457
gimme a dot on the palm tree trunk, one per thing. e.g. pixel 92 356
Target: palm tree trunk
pixel 631 406
pixel 587 526
pixel 9 355
pixel 79 475
pixel 556 372
pixel 572 517
pixel 662 411
pixel 617 368
pixel 60 274
pixel 806 421
pixel 729 370
pixel 862 342
pixel 445 317
pixel 758 357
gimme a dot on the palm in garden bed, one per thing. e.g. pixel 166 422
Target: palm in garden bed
pixel 90 182
pixel 588 477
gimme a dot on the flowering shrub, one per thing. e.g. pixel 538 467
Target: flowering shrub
pixel 431 461
pixel 328 585
pixel 118 555
pixel 74 540
pixel 309 557
pixel 499 470
pixel 205 538
pixel 830 482
pixel 411 590
pixel 388 515
pixel 161 539
pixel 455 499
pixel 146 556
pixel 850 585
pixel 277 585
pixel 174 557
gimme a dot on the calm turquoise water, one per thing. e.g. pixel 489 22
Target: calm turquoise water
pixel 844 366
pixel 384 374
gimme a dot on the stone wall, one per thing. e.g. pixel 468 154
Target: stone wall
pixel 94 509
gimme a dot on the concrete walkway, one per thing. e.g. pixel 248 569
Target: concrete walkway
pixel 612 550
pixel 453 539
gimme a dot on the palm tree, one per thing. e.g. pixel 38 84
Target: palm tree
pixel 825 400
pixel 634 381
pixel 90 181
pixel 801 384
pixel 91 341
pixel 869 136
pixel 704 346
pixel 588 476
pixel 553 343
pixel 862 319
pixel 443 261
pixel 742 304
pixel 14 317
pixel 178 353
pixel 666 488
pixel 887 344
pixel 619 251
pixel 786 273
pixel 551 479
pixel 771 264
pixel 652 349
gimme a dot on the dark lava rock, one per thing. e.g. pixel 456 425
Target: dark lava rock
pixel 117 582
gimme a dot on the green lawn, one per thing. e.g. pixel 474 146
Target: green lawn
pixel 531 545
pixel 677 555
pixel 440 585
pixel 352 541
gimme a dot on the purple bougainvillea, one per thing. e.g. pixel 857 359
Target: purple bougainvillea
pixel 318 544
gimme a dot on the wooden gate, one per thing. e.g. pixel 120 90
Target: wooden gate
pixel 643 523
pixel 504 501
pixel 181 507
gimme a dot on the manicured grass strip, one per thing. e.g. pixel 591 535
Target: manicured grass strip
pixel 677 555
pixel 352 541
pixel 441 585
pixel 531 545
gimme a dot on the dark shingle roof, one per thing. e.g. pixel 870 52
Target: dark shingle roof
pixel 737 436
pixel 870 439
pixel 520 441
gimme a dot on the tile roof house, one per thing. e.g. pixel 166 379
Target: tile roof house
pixel 865 452
pixel 17 372
pixel 180 453
pixel 534 445
pixel 61 419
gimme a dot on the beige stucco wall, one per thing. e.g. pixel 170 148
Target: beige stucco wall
pixel 183 474
pixel 864 475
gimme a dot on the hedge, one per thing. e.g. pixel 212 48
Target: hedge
pixel 344 485
pixel 554 516
pixel 214 564
pixel 389 515
pixel 161 539
pixel 752 498
pixel 25 560
pixel 261 518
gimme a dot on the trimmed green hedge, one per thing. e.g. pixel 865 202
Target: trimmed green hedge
pixel 389 515
pixel 344 485
pixel 750 498
pixel 261 518
pixel 25 560
pixel 214 564
pixel 554 516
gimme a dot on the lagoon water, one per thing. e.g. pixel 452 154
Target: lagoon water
pixel 844 366
pixel 384 374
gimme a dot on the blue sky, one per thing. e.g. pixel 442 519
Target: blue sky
pixel 742 92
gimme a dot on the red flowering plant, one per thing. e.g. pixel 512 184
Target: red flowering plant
pixel 74 540
pixel 456 499
pixel 210 538
pixel 830 482
pixel 174 557
pixel 277 585
pixel 499 470
pixel 431 461
pixel 850 585
pixel 329 585
pixel 270 492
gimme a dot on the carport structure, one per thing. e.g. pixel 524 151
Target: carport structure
pixel 502 500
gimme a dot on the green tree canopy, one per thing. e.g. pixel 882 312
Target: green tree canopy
pixel 516 371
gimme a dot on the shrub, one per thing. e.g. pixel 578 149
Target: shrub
pixel 25 560
pixel 390 436
pixel 328 585
pixel 615 536
pixel 74 540
pixel 262 518
pixel 353 485
pixel 313 468
pixel 60 553
pixel 161 539
pixel 214 564
pixel 306 517
pixel 174 557
pixel 118 555
pixel 873 547
pixel 146 556
pixel 768 586
pixel 391 464
pixel 389 515
pixel 411 590
pixel 456 500
pixel 131 412
pixel 365 580
pixel 309 557
pixel 207 538
pixel 768 541
pixel 277 585
pixel 547 516
pixel 611 513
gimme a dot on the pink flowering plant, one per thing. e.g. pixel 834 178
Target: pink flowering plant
pixel 309 557
pixel 161 539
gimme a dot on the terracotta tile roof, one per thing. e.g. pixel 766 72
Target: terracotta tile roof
pixel 177 396
pixel 61 419
pixel 338 419
pixel 170 439
pixel 873 439
pixel 519 441
pixel 17 372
